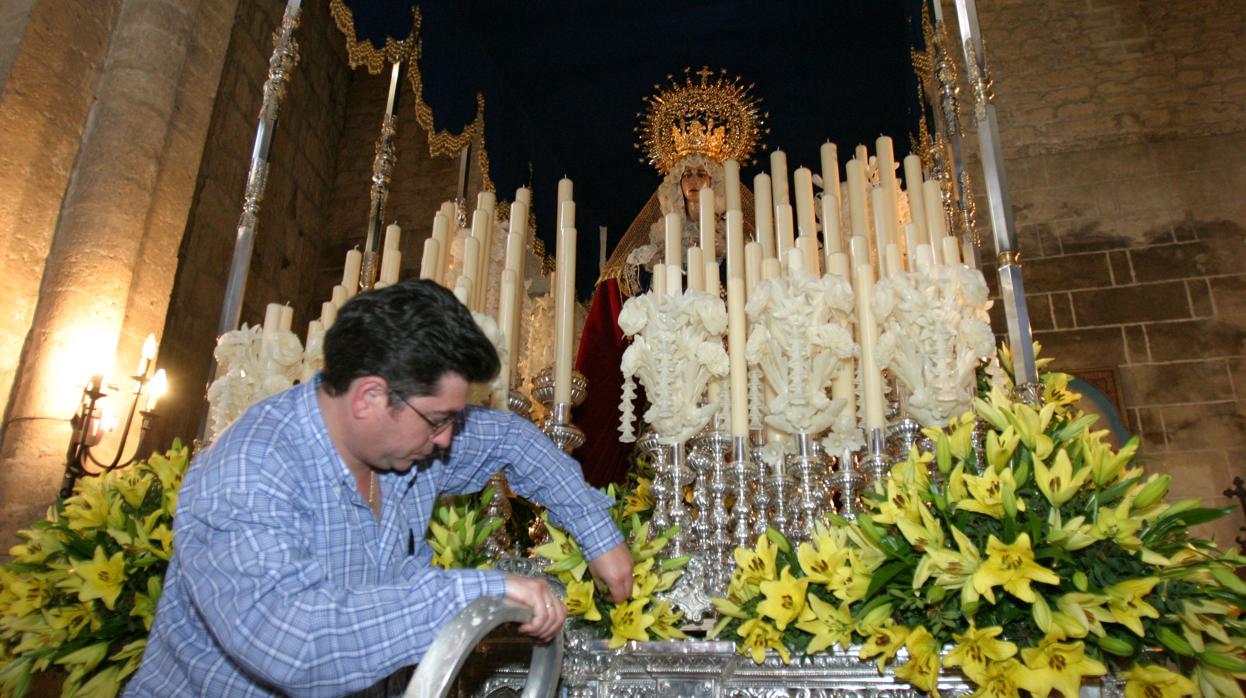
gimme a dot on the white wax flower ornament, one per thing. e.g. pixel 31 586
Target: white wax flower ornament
pixel 935 331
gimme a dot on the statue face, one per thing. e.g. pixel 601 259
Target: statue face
pixel 691 182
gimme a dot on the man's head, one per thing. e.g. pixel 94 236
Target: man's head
pixel 411 334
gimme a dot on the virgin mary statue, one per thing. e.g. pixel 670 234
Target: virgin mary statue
pixel 688 129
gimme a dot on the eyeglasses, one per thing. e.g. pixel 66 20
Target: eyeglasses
pixel 450 422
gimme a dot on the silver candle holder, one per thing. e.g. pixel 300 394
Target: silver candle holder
pixel 875 466
pixel 807 462
pixel 848 481
pixel 742 473
pixel 902 436
pixel 558 427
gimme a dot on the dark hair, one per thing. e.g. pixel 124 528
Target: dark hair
pixel 411 334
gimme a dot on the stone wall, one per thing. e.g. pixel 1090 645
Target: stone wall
pixel 292 219
pixel 1124 125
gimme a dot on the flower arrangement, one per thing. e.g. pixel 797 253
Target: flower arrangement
pixel 643 616
pixel 81 590
pixel 459 529
pixel 1041 558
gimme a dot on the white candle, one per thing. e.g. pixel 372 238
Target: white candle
pixel 829 155
pixel 441 233
pixel 867 337
pixel 932 201
pixel 951 251
pixel 913 186
pixel 507 316
pixel 778 177
pixel 339 296
pixel 287 318
pixel 752 266
pixel 731 182
pixel 856 198
pixel 391 263
pixel 763 214
pixel 674 279
pixel 523 195
pixel 350 272
pixel 328 313
pixel 808 246
pixel 784 238
pixel 861 153
pixel 674 239
pixel 883 234
pixel 564 195
pixel 886 156
pixel 471 269
pixel 737 338
pixel 272 322
pixel 910 246
pixel 770 268
pixel 802 185
pixel 566 214
pixel 840 265
pixel 393 237
pixel 564 308
pixel 735 244
pixel 893 265
pixel 712 271
pixel 924 258
pixel 159 385
pixel 795 263
pixel 844 384
pixel 146 355
pixel 482 232
pixel 707 223
pixel 517 250
pixel 659 279
pixel 860 249
pixel 832 238
pixel 486 201
pixel 462 290
pixel 696 269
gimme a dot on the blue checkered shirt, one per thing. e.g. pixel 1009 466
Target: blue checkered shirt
pixel 283 582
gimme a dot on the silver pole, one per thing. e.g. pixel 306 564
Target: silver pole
pixel 285 57
pixel 382 170
pixel 1008 258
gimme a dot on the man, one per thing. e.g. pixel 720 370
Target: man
pixel 299 562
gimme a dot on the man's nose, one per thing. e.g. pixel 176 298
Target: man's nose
pixel 443 438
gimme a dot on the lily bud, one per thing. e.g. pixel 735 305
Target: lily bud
pixel 1080 581
pixel 1152 491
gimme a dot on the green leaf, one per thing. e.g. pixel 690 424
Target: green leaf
pixel 883 575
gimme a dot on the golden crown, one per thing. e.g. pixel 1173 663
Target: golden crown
pixel 718 118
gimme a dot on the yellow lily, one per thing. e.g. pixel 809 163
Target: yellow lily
pixel 960 441
pixel 1057 666
pixel 988 491
pixel 925 533
pixel 666 621
pixel 922 668
pixel 758 637
pixel 24 594
pixel 785 598
pixel 39 544
pixel 564 553
pixel 1080 613
pixel 728 608
pixel 822 557
pixel 883 640
pixel 132 485
pixel 96 505
pixel 579 600
pixel 101 577
pixel 741 590
pixel 899 502
pixel 976 649
pixel 1031 426
pixel 1155 681
pixel 757 565
pixel 1011 566
pixel 1059 483
pixel 956 487
pixel 1074 535
pixel 1213 682
pixel 1118 524
pixel 994 410
pixel 1106 465
pixel 955 570
pixel 639 499
pixel 1125 601
pixel 644 582
pixel 628 621
pixel 1001 680
pixel 1000 447
pixel 828 624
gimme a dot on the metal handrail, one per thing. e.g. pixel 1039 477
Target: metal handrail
pixel 446 656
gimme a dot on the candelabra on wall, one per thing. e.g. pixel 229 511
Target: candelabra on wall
pixel 91 422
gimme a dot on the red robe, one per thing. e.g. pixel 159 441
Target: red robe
pixel 603 458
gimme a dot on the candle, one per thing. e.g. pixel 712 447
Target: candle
pixel 808 246
pixel 784 239
pixel 737 338
pixel 860 249
pixel 829 155
pixel 778 177
pixel 839 265
pixel 674 239
pixel 802 184
pixel 482 232
pixel 770 268
pixel 696 269
pixel 391 263
pixel 659 279
pixel 461 290
pixel 328 313
pixel 763 214
pixel 441 233
pixel 566 214
pixel 712 271
pixel 752 266
pixel 932 202
pixel 272 322
pixel 517 251
pixel 832 240
pixel 471 269
pixel 486 201
pixel 913 186
pixel 861 154
pixel 447 209
pixel 146 355
pixel 886 156
pixel 951 251
pixel 735 244
pixel 706 209
pixel 795 263
pixel 315 327
pixel 856 198
pixel 893 266
pixel 867 337
pixel 507 316
pixel 523 195
pixel 564 195
pixel 564 308
pixel 393 237
pixel 883 234
pixel 910 246
pixel 350 273
pixel 924 258
pixel 674 279
pixel 159 385
pixel 286 319
pixel 731 182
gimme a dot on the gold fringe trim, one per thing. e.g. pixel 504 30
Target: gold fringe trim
pixel 363 52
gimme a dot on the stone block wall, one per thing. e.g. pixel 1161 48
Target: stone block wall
pixel 292 221
pixel 1124 130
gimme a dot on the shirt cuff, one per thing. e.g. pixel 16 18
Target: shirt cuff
pixel 474 584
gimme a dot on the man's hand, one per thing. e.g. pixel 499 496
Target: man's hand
pixel 548 612
pixel 613 570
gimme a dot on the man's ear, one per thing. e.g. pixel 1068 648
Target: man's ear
pixel 369 395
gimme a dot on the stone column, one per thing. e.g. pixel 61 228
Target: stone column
pixel 91 266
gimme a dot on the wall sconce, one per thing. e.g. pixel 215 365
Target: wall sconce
pixel 93 420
